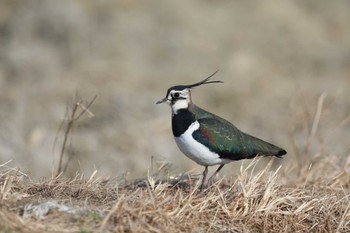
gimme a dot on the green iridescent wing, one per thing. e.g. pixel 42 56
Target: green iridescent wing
pixel 223 138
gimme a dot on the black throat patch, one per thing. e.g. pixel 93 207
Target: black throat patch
pixel 181 121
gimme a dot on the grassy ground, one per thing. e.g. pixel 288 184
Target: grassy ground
pixel 254 201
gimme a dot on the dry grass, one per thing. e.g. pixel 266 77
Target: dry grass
pixel 264 201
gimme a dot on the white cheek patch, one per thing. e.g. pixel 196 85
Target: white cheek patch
pixel 179 104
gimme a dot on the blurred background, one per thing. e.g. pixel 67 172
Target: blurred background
pixel 276 58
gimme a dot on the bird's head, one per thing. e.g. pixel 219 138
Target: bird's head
pixel 179 97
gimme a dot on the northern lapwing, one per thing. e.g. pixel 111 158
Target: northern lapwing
pixel 207 138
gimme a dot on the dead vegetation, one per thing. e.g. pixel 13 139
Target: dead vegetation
pixel 263 201
pixel 73 114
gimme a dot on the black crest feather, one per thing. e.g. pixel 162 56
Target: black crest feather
pixel 205 81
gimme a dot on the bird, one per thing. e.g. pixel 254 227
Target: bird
pixel 208 139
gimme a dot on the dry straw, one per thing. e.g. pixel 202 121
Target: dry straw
pixel 256 201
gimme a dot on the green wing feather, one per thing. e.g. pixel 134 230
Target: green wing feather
pixel 222 137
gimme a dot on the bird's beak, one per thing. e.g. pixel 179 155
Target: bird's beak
pixel 162 100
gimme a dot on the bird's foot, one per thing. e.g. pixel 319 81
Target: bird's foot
pixel 203 187
pixel 211 181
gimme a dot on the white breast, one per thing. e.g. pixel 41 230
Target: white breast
pixel 195 150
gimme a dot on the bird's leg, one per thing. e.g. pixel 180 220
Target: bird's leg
pixel 211 179
pixel 205 173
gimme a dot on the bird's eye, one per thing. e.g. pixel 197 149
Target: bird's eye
pixel 176 95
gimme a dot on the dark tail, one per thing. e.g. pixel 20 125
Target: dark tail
pixel 280 153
